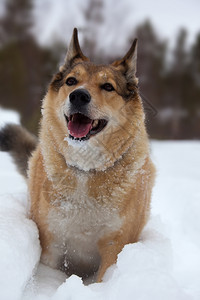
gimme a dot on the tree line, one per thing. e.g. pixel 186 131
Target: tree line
pixel 169 80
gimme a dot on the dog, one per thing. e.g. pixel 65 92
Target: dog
pixel 90 175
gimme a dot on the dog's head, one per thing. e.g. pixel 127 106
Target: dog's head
pixel 94 111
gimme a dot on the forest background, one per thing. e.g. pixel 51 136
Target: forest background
pixel 169 76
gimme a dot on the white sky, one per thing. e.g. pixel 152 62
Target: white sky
pixel 169 16
pixel 56 18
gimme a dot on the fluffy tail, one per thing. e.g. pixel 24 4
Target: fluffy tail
pixel 19 143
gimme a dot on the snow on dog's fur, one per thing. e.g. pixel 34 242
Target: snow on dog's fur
pixel 90 177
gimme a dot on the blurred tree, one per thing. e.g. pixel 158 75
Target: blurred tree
pixel 94 18
pixel 195 59
pixel 176 84
pixel 151 62
pixel 194 101
pixel 183 89
pixel 151 71
pixel 25 67
pixel 17 23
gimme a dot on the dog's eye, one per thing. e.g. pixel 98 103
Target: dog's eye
pixel 71 81
pixel 107 87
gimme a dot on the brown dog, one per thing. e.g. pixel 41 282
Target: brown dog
pixel 90 178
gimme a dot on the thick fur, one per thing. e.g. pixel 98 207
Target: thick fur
pixel 90 198
pixel 19 143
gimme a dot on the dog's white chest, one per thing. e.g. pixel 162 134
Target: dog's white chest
pixel 77 224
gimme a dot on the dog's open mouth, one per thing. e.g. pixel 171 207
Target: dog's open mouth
pixel 81 127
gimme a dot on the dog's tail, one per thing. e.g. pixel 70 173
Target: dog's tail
pixel 19 143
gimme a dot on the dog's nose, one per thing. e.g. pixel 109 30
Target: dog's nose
pixel 80 97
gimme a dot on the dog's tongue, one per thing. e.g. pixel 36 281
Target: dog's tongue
pixel 79 125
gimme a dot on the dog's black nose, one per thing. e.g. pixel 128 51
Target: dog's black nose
pixel 80 97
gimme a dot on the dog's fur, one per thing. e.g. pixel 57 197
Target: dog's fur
pixel 19 143
pixel 91 197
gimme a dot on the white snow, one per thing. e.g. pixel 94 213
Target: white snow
pixel 8 116
pixel 164 264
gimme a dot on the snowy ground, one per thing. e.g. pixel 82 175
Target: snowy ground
pixel 165 264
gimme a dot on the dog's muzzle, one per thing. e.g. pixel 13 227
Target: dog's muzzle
pixel 79 122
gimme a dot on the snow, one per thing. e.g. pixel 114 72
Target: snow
pixel 164 264
pixel 8 116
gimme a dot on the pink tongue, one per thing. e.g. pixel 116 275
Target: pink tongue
pixel 79 128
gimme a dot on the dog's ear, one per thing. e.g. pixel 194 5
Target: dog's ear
pixel 128 63
pixel 74 51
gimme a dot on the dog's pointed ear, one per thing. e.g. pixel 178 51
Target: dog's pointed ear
pixel 128 64
pixel 74 51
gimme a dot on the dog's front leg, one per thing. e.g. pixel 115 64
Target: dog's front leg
pixel 109 248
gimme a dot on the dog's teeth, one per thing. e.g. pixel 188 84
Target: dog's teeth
pixel 95 123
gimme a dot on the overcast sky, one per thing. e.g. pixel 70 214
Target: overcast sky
pixel 169 16
pixel 56 18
